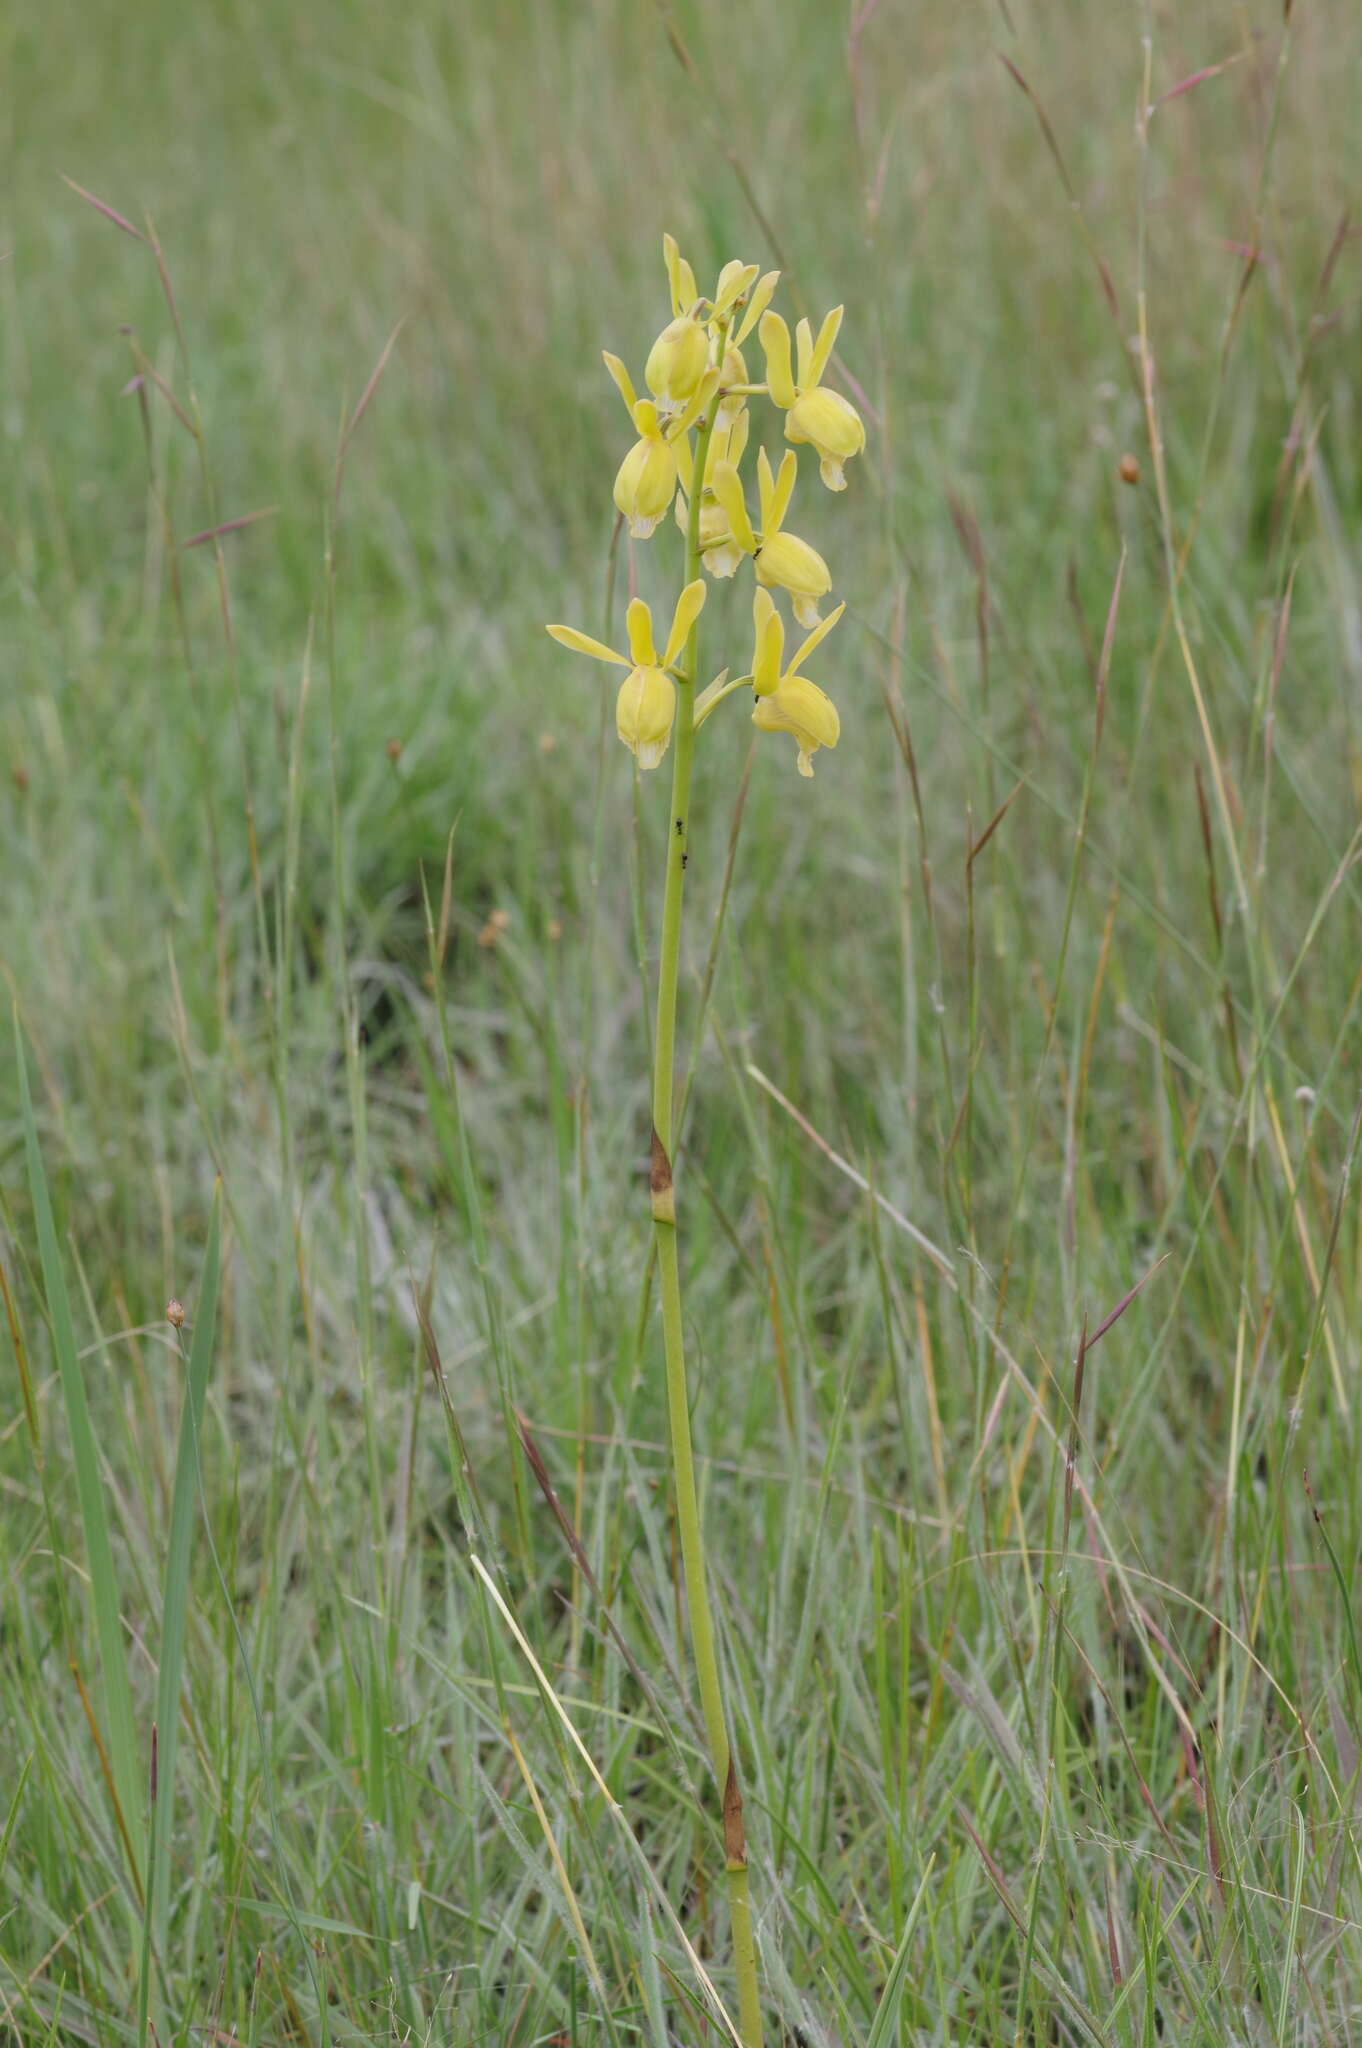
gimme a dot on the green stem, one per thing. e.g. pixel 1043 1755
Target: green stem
pixel 669 1270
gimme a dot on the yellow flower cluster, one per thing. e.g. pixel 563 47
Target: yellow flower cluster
pixel 692 433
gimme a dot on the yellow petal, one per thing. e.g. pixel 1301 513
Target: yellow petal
pixel 639 620
pixel 676 362
pixel 733 371
pixel 757 304
pixel 833 426
pixel 765 489
pixel 680 276
pixel 800 708
pixel 646 483
pixel 775 341
pixel 787 560
pixel 584 644
pixel 624 383
pixel 734 279
pixel 769 644
pixel 819 633
pixel 714 693
pixel 780 496
pixel 827 338
pixel 719 552
pixel 671 256
pixel 722 556
pixel 644 712
pixel 704 391
pixel 728 441
pixel 726 485
pixel 689 606
pixel 803 354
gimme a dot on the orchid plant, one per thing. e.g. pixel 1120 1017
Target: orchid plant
pixel 692 435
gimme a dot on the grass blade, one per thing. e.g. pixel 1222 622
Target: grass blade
pixel 885 2025
pixel 175 1606
pixel 125 1768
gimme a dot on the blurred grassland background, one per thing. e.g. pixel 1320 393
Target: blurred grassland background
pixel 1124 1778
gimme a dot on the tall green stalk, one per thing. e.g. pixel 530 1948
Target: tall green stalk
pixel 663 1197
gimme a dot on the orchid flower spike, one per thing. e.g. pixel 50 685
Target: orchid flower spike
pixel 646 706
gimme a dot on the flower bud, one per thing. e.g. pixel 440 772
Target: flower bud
pixel 644 711
pixel 832 425
pixel 676 362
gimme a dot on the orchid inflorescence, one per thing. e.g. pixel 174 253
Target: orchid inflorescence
pixel 692 437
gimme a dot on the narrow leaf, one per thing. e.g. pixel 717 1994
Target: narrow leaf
pixel 175 1605
pixel 124 1753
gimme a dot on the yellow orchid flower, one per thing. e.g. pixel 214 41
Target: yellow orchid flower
pixel 786 700
pixel 680 356
pixel 645 482
pixel 676 362
pixel 646 706
pixel 720 553
pixel 812 413
pixel 782 559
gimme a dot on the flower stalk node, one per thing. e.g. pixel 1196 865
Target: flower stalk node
pixel 661 1193
pixel 735 1834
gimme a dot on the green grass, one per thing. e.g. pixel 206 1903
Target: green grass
pixel 1013 1773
